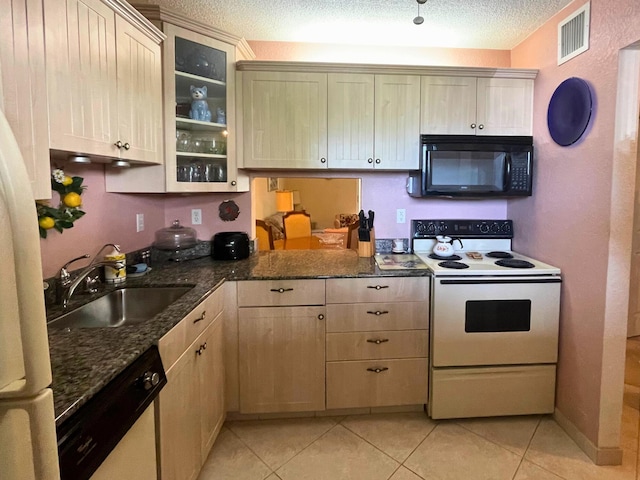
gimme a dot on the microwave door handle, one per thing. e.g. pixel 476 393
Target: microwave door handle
pixel 507 172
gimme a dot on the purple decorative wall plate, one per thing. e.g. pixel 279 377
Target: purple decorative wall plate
pixel 569 111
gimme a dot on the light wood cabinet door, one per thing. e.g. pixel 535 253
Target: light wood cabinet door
pixel 476 106
pixel 103 83
pixel 282 362
pixel 350 120
pixel 397 122
pixel 139 90
pixel 81 76
pixel 211 379
pixel 504 106
pixel 179 420
pixel 285 120
pixel 23 96
pixel 448 105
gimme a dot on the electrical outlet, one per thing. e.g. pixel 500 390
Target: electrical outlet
pixel 139 222
pixel 401 215
pixel 196 216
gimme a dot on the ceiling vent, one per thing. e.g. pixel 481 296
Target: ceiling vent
pixel 573 34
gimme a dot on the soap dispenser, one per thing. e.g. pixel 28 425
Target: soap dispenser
pixel 113 274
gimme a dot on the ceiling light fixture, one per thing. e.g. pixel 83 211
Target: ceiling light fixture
pixel 419 20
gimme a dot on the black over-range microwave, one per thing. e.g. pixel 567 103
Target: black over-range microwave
pixel 473 166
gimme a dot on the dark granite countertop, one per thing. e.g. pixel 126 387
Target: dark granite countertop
pixel 85 360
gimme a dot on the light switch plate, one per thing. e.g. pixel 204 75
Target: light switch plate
pixel 139 222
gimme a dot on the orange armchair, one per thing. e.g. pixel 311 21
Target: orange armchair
pixel 296 225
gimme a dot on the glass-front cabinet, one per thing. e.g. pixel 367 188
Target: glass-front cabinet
pixel 199 112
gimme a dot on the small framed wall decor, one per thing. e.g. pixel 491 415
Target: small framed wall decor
pixel 273 184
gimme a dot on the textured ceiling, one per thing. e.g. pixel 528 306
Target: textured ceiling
pixel 492 24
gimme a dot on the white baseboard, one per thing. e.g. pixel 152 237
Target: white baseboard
pixel 598 455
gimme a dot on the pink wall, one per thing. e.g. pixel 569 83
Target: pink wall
pixel 313 52
pixel 179 207
pixel 567 221
pixel 111 217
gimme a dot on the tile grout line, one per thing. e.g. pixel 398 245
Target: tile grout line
pixel 251 450
pixel 534 463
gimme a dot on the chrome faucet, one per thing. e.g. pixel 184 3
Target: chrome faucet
pixel 66 286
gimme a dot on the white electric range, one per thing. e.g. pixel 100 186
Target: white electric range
pixel 494 327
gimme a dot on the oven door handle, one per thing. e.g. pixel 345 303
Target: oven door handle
pixel 500 281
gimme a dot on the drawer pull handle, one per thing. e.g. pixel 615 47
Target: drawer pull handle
pixel 378 312
pixel 377 341
pixel 202 348
pixel 201 317
pixel 378 287
pixel 321 317
pixel 282 290
pixel 377 370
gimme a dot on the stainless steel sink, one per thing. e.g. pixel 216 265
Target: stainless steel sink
pixel 125 306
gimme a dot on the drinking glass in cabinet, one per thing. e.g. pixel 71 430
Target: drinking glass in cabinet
pixel 183 141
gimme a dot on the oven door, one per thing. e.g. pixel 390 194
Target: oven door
pixel 495 321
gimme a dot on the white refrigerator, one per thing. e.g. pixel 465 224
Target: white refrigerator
pixel 28 448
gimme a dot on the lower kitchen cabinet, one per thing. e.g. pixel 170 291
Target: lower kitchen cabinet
pixel 281 365
pixel 190 409
pixel 377 342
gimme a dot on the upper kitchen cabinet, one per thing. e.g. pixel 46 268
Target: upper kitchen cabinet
pixel 104 80
pixel 464 105
pixel 302 115
pixel 284 119
pixel 373 121
pixel 199 111
pixel 23 96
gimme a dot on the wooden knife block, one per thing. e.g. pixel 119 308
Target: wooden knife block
pixel 367 249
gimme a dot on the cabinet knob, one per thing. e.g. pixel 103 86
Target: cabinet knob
pixel 377 369
pixel 201 317
pixel 321 317
pixel 369 160
pixel 377 341
pixel 323 160
pixel 233 183
pixel 377 161
pixel 199 350
pixel 126 146
pixel 150 380
pixel 118 144
pixel 481 126
pixel 473 125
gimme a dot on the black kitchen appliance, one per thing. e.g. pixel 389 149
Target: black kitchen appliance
pixel 473 167
pixel 230 246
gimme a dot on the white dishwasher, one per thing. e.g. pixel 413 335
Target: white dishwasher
pixel 113 434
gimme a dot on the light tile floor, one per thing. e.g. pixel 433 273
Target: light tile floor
pixel 410 446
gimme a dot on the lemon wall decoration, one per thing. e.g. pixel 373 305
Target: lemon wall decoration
pixel 68 210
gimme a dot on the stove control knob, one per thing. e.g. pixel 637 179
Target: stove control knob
pixel 506 228
pixel 150 380
pixel 484 228
pixel 420 227
pixel 442 228
pixel 495 228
